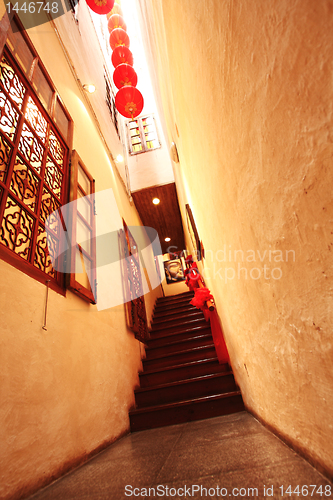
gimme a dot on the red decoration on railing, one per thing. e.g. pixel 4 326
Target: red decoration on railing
pixel 116 21
pixel 100 6
pixel 124 74
pixel 200 298
pixel 121 55
pixel 189 260
pixel 119 37
pixel 192 275
pixel 129 102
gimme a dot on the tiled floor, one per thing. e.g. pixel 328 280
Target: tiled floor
pixel 230 456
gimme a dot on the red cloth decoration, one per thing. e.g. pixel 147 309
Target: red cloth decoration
pixel 121 55
pixel 192 278
pixel 129 102
pixel 116 21
pixel 118 37
pixel 124 74
pixel 189 259
pixel 200 298
pixel 100 6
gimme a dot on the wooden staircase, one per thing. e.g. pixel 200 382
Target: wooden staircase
pixel 182 379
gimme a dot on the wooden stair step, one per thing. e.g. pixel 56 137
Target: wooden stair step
pixel 173 298
pixel 184 329
pixel 177 318
pixel 189 333
pixel 206 351
pixel 186 411
pixel 173 305
pixel 182 379
pixel 200 320
pixel 206 385
pixel 182 320
pixel 173 312
pixel 192 369
pixel 178 344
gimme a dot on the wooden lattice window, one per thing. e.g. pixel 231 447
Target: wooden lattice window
pixel 142 135
pixel 135 308
pixel 34 130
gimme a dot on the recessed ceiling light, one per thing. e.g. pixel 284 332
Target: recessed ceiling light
pixel 156 201
pixel 119 158
pixel 167 239
pixel 89 88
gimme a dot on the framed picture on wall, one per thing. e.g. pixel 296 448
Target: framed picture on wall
pixel 174 271
pixel 193 232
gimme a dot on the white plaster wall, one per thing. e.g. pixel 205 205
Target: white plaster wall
pixel 251 95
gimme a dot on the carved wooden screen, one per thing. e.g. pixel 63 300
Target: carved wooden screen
pixel 33 170
pixel 133 287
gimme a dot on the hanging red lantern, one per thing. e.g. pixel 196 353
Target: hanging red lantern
pixel 115 10
pixel 116 21
pixel 124 74
pixel 129 102
pixel 121 55
pixel 100 6
pixel 119 37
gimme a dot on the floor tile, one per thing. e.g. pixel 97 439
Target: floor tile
pixel 230 456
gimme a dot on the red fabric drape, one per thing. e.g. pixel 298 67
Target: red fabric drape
pixel 192 277
pixel 217 333
pixel 201 295
pixel 199 301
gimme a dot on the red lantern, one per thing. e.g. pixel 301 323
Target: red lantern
pixel 129 102
pixel 119 37
pixel 116 10
pixel 116 21
pixel 100 6
pixel 124 74
pixel 121 55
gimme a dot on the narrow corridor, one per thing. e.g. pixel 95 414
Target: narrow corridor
pixel 231 455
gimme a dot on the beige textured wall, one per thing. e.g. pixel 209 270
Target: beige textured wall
pixel 65 392
pixel 250 89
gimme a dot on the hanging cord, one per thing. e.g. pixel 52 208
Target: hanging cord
pixel 46 299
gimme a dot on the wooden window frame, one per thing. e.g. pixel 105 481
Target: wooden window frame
pixel 56 97
pixel 142 135
pixel 27 77
pixel 72 4
pixel 110 101
pixel 72 284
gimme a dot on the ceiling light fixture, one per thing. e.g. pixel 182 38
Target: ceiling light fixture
pixel 119 158
pixel 167 239
pixel 156 201
pixel 89 88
